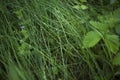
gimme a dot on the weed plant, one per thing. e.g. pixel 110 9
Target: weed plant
pixel 59 40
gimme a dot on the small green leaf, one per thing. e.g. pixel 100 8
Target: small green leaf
pixel 112 42
pixel 91 39
pixel 24 48
pixel 76 7
pixel 116 60
pixel 83 7
pixel 55 70
pixel 19 13
pixel 21 49
pixel 25 33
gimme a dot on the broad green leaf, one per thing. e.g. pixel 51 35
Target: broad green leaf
pixel 100 26
pixel 91 39
pixel 116 59
pixel 112 42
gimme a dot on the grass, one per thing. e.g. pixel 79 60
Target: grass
pixel 42 40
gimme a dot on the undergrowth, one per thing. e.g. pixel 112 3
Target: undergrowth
pixel 59 40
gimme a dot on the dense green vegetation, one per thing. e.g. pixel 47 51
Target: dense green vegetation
pixel 59 40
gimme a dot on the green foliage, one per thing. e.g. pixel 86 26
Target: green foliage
pixel 80 7
pixel 112 1
pixel 112 42
pixel 24 48
pixel 117 29
pixel 116 60
pixel 103 29
pixel 83 0
pixel 59 39
pixel 84 7
pixel 91 39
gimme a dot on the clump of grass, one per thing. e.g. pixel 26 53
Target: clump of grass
pixel 42 40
